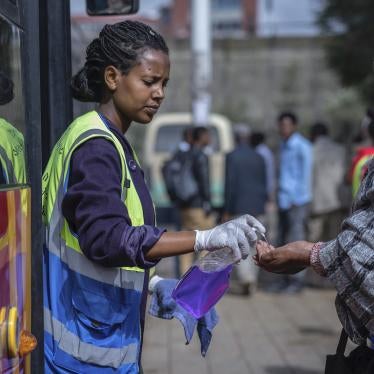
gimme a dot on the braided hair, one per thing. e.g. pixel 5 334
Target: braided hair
pixel 119 45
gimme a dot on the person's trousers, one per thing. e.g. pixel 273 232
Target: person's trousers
pixel 193 219
pixel 325 226
pixel 292 226
pixel 246 272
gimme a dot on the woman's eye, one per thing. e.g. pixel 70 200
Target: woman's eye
pixel 148 83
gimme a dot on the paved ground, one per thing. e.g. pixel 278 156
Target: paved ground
pixel 261 334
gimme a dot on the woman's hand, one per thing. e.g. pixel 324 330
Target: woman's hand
pixel 289 259
pixel 238 235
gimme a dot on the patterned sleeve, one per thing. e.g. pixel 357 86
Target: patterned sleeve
pixel 349 263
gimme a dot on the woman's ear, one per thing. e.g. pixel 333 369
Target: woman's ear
pixel 111 77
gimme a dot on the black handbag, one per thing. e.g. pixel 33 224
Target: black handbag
pixel 359 361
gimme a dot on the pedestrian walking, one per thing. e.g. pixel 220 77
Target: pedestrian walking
pixel 101 238
pixel 197 211
pixel 258 142
pixel 329 168
pixel 245 193
pixel 294 192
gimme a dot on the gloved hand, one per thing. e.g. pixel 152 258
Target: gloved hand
pixel 238 235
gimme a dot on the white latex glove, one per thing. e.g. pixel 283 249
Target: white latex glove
pixel 152 283
pixel 238 235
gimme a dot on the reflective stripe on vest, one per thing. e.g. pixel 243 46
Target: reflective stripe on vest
pixel 358 173
pixel 63 246
pixel 12 153
pixel 71 344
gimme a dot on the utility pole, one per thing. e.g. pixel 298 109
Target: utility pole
pixel 201 46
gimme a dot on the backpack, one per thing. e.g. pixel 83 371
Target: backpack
pixel 179 179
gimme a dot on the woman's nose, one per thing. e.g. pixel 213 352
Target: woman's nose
pixel 159 93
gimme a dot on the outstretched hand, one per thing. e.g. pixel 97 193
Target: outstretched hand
pixel 237 235
pixel 289 259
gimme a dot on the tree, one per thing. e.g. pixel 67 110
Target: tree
pixel 350 51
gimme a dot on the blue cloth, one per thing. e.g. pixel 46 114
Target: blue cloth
pixel 295 172
pixel 164 306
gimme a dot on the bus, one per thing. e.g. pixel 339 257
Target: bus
pixel 35 107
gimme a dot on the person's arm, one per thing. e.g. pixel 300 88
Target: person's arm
pixel 271 174
pixel 172 244
pixel 95 212
pixel 306 166
pixel 347 261
pixel 288 259
pixel 235 236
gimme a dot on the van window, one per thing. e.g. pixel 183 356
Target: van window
pixel 169 136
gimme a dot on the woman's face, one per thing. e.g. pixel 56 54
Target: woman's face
pixel 139 93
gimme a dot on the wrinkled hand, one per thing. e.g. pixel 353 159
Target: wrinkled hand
pixel 289 259
pixel 238 235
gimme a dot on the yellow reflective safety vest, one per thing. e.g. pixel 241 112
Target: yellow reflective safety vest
pixel 12 153
pixel 91 313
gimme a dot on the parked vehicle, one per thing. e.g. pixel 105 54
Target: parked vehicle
pixel 162 139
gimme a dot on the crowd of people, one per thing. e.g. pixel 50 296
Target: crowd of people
pixel 306 179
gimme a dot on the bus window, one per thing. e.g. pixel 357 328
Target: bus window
pixel 12 124
pixel 15 268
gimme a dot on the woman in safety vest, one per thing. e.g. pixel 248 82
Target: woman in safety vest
pixel 101 237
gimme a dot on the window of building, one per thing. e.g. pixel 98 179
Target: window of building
pixel 226 4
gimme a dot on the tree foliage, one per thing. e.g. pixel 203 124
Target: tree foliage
pixel 350 50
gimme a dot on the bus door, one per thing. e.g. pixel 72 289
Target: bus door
pixel 15 248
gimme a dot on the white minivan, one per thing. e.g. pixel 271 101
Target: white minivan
pixel 161 140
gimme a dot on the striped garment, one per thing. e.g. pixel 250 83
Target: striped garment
pixel 349 263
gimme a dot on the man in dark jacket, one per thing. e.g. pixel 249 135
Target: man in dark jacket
pixel 245 192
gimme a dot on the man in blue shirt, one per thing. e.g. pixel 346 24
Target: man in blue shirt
pixel 294 190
